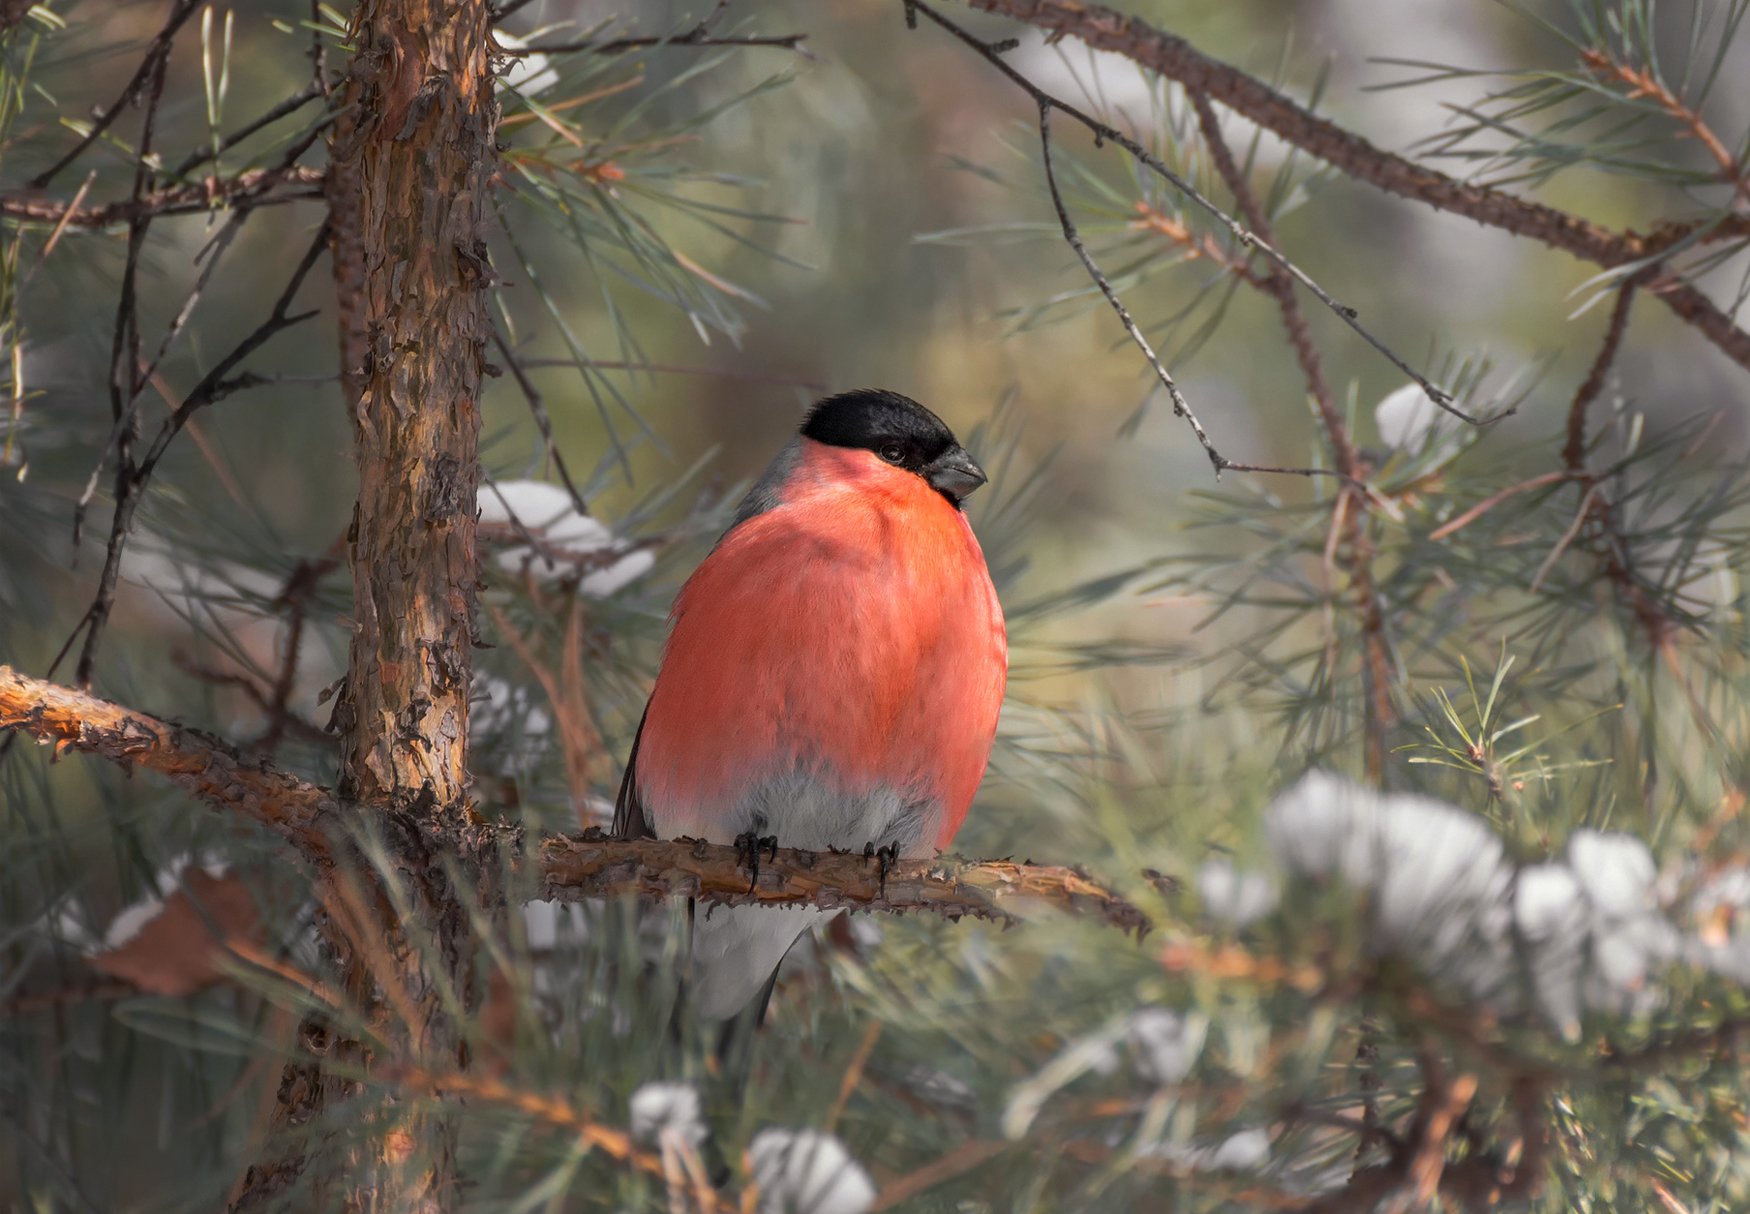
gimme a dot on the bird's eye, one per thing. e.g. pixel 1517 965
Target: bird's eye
pixel 892 452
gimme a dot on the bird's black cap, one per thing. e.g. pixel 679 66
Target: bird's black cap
pixel 900 431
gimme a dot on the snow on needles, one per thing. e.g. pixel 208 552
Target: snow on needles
pixel 537 527
pixel 807 1172
pixel 667 1109
pixel 1588 932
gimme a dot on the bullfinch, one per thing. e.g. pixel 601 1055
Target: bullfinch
pixel 833 672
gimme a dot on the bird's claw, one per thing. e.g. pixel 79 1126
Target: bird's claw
pixel 885 858
pixel 748 846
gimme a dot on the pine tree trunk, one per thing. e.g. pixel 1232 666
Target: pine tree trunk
pixel 422 156
pixel 413 160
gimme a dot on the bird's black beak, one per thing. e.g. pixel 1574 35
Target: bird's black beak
pixel 954 474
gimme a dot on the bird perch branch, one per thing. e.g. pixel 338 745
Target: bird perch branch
pixel 569 867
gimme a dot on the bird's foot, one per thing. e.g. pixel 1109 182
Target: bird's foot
pixel 748 846
pixel 885 858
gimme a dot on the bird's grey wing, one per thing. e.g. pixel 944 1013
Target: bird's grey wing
pixel 630 820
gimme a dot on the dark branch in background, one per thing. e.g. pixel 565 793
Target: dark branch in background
pixel 543 421
pixel 609 364
pixel 1105 29
pixel 1279 287
pixel 253 188
pixel 619 46
pixel 124 365
pixel 215 386
pixel 157 55
pixel 586 866
pixel 1596 511
pixel 297 101
pixel 1103 133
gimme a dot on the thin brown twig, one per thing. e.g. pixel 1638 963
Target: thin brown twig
pixel 291 105
pixel 555 1111
pixel 1495 499
pixel 1377 666
pixel 543 421
pixel 219 383
pixel 608 364
pixel 619 46
pixel 1641 83
pixel 853 1075
pixel 1574 449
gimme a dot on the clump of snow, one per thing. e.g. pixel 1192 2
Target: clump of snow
pixel 1242 1151
pixel 807 1172
pixel 660 1109
pixel 945 1091
pixel 530 73
pixel 1551 915
pixel 68 926
pixel 566 541
pixel 1231 896
pixel 549 925
pixel 1439 877
pixel 1411 422
pixel 1164 1044
pixel 1586 933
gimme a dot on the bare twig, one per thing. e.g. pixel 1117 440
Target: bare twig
pixel 255 188
pixel 608 364
pixel 619 46
pixel 1574 450
pixel 291 105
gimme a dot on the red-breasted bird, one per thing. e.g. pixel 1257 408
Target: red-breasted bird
pixel 833 671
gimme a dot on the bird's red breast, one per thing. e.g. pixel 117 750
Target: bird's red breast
pixel 849 632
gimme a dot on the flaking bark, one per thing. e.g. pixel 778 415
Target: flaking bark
pixel 419 161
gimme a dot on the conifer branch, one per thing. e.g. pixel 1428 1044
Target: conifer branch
pixel 1106 29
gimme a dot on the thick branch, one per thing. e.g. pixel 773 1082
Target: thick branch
pixel 206 767
pixel 592 865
